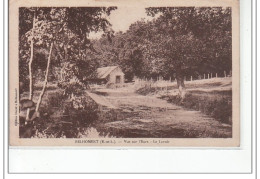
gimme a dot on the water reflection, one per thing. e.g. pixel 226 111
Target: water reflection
pixel 92 132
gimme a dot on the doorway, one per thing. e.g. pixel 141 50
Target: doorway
pixel 118 79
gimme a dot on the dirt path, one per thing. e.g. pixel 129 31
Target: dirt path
pixel 148 116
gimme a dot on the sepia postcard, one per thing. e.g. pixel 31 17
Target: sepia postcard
pixel 124 73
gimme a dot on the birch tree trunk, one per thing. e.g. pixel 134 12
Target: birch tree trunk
pixel 46 75
pixel 45 80
pixel 30 68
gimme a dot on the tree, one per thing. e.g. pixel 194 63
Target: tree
pixel 29 19
pixel 188 37
pixel 78 49
pixel 57 31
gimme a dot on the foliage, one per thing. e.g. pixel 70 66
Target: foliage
pixel 68 28
pixel 191 37
pixel 186 40
pixel 54 37
pixel 125 50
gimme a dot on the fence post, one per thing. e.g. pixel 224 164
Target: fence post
pixel 225 74
pixel 204 75
pixel 208 75
pixel 216 75
pixel 191 78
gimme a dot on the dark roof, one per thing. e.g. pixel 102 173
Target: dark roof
pixel 105 71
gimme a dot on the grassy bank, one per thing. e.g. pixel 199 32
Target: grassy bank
pixel 215 104
pixel 212 97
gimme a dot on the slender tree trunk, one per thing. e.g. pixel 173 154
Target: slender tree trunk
pixel 180 84
pixel 45 80
pixel 30 68
pixel 30 72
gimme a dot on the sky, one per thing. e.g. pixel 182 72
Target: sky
pixel 123 17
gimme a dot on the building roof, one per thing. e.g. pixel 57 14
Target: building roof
pixel 105 71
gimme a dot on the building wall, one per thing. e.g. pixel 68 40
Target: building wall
pixel 114 73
